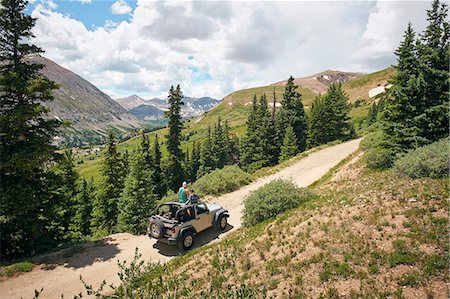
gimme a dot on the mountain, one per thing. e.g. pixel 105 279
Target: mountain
pixel 318 83
pixel 147 112
pixel 192 106
pixel 131 101
pixel 90 111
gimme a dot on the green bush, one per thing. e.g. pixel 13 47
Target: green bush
pixel 273 199
pixel 16 268
pixel 221 181
pixel 372 140
pixel 428 161
pixel 379 158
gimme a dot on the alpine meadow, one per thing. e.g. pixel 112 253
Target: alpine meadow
pixel 203 149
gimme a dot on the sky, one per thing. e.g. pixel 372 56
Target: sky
pixel 212 48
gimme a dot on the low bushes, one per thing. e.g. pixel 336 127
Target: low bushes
pixel 379 158
pixel 16 268
pixel 221 181
pixel 428 161
pixel 273 199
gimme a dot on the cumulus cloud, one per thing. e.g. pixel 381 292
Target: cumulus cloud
pixel 120 7
pixel 213 48
pixel 86 1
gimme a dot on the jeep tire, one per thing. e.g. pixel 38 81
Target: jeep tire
pixel 187 241
pixel 222 222
pixel 156 229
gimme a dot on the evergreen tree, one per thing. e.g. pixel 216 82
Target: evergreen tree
pixel 319 127
pixel 145 147
pixel 67 180
pixel 206 161
pixel 160 186
pixel 195 161
pixel 372 114
pixel 292 114
pixel 336 102
pixel 433 57
pixel 404 97
pixel 273 149
pixel 81 221
pixel 232 145
pixel 174 170
pixel 26 135
pixel 289 148
pixel 219 148
pixel 138 199
pixel 105 210
pixel 252 149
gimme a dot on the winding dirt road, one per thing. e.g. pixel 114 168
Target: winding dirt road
pixel 97 261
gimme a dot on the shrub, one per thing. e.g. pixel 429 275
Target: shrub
pixel 372 140
pixel 221 181
pixel 379 158
pixel 273 199
pixel 16 268
pixel 428 161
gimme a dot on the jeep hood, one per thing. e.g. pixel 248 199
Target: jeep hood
pixel 212 207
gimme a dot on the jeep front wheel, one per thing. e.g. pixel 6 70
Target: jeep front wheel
pixel 222 222
pixel 187 241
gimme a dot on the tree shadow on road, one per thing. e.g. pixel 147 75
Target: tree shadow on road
pixel 201 239
pixel 80 255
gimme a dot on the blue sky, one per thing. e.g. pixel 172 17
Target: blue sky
pixel 93 14
pixel 211 48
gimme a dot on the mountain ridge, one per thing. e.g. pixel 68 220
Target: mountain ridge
pixel 90 111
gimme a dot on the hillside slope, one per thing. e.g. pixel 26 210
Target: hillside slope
pixel 90 111
pixel 369 235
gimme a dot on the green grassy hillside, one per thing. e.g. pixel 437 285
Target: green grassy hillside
pixel 234 108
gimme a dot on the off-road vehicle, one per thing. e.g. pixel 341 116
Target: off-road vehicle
pixel 177 223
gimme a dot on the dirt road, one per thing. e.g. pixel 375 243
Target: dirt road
pixel 98 260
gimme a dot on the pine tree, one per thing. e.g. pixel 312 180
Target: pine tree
pixel 138 199
pixel 195 161
pixel 252 150
pixel 232 145
pixel 434 59
pixel 160 186
pixel 81 221
pixel 145 148
pixel 372 114
pixel 174 170
pixel 26 135
pixel 292 114
pixel 219 149
pixel 336 102
pixel 320 129
pixel 289 148
pixel 206 161
pixel 404 97
pixel 273 149
pixel 67 178
pixel 105 210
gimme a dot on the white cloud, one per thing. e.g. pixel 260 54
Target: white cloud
pixel 86 1
pixel 233 44
pixel 120 7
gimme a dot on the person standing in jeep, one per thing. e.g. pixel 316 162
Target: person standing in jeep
pixel 183 192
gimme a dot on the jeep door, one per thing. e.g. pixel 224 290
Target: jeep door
pixel 203 218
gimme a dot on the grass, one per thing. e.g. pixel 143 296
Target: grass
pixel 320 244
pixel 15 268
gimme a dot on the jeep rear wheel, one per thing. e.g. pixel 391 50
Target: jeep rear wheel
pixel 187 241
